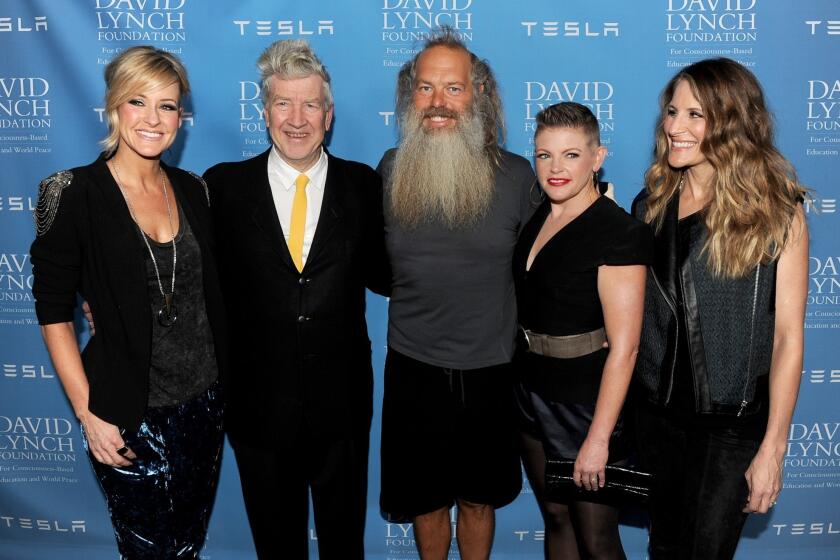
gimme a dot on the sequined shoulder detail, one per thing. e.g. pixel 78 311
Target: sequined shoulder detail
pixel 201 180
pixel 49 195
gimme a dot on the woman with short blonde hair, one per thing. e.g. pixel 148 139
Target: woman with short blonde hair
pixel 132 236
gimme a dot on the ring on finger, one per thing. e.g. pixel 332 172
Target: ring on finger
pixel 122 451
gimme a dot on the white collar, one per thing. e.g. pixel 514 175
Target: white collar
pixel 288 174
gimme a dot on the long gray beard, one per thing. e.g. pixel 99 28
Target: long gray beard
pixel 443 176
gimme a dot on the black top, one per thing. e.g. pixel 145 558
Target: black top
pixel 683 392
pixel 558 296
pixel 87 245
pixel 183 362
pixel 730 321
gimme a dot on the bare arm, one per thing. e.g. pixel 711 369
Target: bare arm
pixel 103 438
pixel 622 293
pixel 764 475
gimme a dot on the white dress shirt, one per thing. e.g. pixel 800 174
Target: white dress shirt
pixel 281 178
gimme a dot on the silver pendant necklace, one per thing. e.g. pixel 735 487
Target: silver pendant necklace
pixel 168 314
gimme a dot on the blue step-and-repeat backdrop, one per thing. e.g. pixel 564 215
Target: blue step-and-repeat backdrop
pixel 613 55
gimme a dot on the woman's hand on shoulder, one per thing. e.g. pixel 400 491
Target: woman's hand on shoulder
pixel 105 442
pixel 591 463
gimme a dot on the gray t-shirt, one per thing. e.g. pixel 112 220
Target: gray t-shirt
pixel 452 301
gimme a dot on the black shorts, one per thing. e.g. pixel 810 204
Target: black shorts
pixel 446 435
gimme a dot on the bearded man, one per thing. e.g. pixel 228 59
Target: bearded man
pixel 454 204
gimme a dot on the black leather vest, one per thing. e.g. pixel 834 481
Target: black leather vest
pixel 730 324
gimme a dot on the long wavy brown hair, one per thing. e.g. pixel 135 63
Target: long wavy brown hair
pixel 754 189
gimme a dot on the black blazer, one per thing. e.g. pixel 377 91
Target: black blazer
pixel 299 344
pixel 92 248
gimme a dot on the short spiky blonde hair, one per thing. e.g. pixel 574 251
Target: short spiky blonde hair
pixel 142 68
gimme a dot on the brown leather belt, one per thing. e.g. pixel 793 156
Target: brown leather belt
pixel 566 347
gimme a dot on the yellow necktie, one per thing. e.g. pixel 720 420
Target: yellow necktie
pixel 298 225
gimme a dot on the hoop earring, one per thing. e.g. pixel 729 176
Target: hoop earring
pixel 539 191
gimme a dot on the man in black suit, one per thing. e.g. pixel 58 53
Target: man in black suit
pixel 300 236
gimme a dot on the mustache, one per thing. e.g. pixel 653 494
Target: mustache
pixel 440 112
pixel 442 178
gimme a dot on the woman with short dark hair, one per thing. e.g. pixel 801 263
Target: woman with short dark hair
pixel 579 268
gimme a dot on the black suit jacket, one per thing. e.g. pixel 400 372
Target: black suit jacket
pixel 92 248
pixel 300 353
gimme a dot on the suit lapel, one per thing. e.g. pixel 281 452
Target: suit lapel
pixel 264 213
pixel 332 208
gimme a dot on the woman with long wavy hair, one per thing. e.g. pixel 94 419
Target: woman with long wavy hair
pixel 721 349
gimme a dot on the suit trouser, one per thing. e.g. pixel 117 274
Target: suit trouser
pixel 276 480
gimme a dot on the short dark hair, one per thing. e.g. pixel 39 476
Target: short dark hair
pixel 570 115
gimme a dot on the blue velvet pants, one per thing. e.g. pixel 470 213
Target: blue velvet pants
pixel 161 504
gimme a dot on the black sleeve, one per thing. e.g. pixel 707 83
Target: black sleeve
pixel 203 184
pixel 377 265
pixel 383 168
pixel 215 181
pixel 637 208
pixel 217 188
pixel 56 253
pixel 211 179
pixel 630 244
